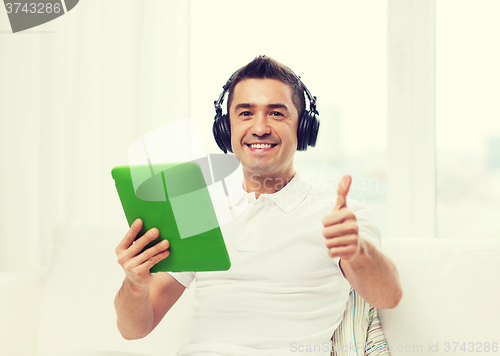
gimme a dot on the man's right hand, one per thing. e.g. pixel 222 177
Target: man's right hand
pixel 137 265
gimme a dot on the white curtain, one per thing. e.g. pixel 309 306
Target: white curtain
pixel 74 94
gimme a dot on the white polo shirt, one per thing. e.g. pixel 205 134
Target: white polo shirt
pixel 283 293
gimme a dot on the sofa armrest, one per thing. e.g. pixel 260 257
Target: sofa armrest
pixel 20 300
pixel 450 293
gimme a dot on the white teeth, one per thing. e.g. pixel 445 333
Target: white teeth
pixel 260 145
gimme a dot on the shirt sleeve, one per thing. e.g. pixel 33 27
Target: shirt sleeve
pixel 366 223
pixel 184 278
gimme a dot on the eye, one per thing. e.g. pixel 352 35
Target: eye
pixel 277 114
pixel 244 115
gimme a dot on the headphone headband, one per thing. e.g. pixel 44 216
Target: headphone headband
pixel 218 103
pixel 225 87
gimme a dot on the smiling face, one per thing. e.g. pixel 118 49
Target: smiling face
pixel 264 124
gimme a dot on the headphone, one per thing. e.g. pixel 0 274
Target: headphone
pixel 307 131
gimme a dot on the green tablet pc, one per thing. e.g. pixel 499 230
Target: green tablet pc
pixel 174 198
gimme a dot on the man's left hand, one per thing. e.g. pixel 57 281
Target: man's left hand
pixel 341 227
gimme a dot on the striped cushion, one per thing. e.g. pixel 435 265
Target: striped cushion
pixel 359 332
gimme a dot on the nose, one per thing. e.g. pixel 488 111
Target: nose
pixel 260 125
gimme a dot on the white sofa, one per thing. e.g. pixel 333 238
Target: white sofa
pixel 451 289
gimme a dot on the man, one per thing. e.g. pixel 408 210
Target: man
pixel 293 259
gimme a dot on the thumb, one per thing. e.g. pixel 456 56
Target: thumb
pixel 344 186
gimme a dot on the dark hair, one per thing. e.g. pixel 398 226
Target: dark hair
pixel 264 67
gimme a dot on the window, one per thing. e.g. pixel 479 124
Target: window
pixel 339 49
pixel 468 119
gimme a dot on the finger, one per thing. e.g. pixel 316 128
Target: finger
pixel 150 253
pixel 140 243
pixel 146 265
pixel 342 241
pixel 337 217
pixel 345 252
pixel 348 227
pixel 137 246
pixel 125 256
pixel 130 236
pixel 342 191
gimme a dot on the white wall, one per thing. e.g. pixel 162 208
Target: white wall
pixel 74 94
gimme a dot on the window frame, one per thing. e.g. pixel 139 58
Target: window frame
pixel 411 141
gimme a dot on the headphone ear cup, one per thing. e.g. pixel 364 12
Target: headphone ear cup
pixel 313 129
pixel 226 136
pixel 307 132
pixel 222 133
pixel 300 132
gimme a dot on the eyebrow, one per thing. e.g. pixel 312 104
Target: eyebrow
pixel 270 106
pixel 277 106
pixel 244 106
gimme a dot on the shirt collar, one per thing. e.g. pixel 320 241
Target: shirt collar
pixel 292 194
pixel 287 198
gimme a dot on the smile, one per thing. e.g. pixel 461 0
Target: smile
pixel 261 145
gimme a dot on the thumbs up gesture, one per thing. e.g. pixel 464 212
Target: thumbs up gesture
pixel 341 227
